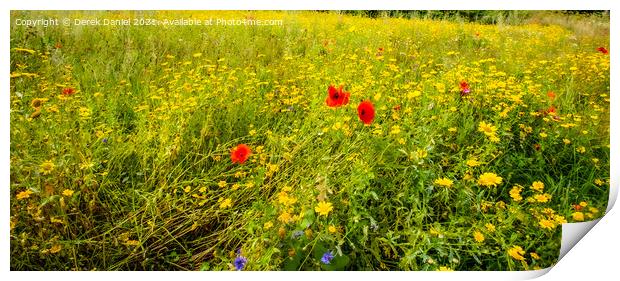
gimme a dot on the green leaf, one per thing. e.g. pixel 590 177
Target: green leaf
pixel 309 218
pixel 205 266
pixel 337 263
pixel 292 263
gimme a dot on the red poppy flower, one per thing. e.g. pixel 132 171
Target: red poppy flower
pixel 577 207
pixel 602 50
pixel 397 107
pixel 464 88
pixel 336 97
pixel 240 154
pixel 366 112
pixel 550 110
pixel 551 95
pixel 68 91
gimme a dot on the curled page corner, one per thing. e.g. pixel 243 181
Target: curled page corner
pixel 613 193
pixel 572 233
pixel 532 274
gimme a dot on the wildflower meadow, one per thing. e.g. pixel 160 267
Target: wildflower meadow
pixel 304 140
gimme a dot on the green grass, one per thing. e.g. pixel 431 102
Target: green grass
pixel 145 142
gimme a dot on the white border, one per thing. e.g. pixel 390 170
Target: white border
pixel 310 5
pixel 600 238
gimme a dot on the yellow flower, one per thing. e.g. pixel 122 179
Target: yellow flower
pixel 36 103
pixel 323 208
pixel 53 108
pixel 489 179
pixel 444 182
pixel 395 130
pixel 268 225
pixel 286 200
pixel 478 237
pixel 578 216
pixel 445 268
pixel 559 219
pixel 86 165
pixel 566 141
pixel 285 217
pixel 487 128
pixel 546 224
pixel 422 153
pixel 282 197
pixel 55 249
pixel 281 232
pixel 272 168
pixel 543 135
pixel 581 149
pixel 47 167
pixel 84 112
pixel 534 256
pixel 67 192
pixel 516 252
pixel 24 194
pixel 132 243
pixel 472 163
pixel 515 193
pixel 222 184
pixel 490 227
pixel 500 205
pixel 538 186
pixel 332 229
pixel 542 198
pixel 599 182
pixel 226 203
pixel 583 204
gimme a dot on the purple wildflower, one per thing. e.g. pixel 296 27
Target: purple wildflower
pixel 240 262
pixel 327 257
